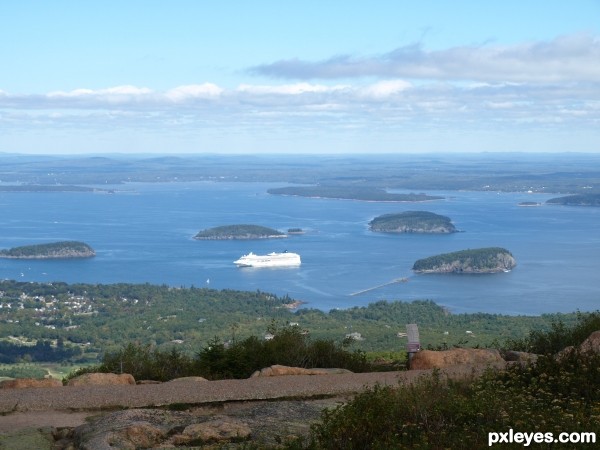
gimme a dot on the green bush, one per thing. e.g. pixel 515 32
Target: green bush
pixel 289 347
pixel 559 336
pixel 434 413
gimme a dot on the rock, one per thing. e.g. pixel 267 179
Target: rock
pixel 429 359
pixel 217 430
pixel 101 379
pixel 592 343
pixel 28 439
pixel 138 435
pixel 127 430
pixel 520 357
pixel 20 383
pixel 188 380
pixel 278 370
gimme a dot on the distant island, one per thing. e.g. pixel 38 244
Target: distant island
pixel 242 232
pixel 48 188
pixel 482 260
pixel 412 222
pixel 529 204
pixel 370 194
pixel 54 250
pixel 295 231
pixel 576 200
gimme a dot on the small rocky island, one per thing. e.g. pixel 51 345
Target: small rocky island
pixel 412 222
pixel 242 232
pixel 54 250
pixel 481 260
pixel 529 204
pixel 576 200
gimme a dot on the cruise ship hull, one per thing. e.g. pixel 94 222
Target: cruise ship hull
pixel 271 260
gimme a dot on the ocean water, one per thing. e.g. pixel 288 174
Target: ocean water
pixel 144 233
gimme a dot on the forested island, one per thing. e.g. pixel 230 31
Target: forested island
pixel 241 231
pixel 482 260
pixel 412 222
pixel 576 200
pixel 370 194
pixel 54 250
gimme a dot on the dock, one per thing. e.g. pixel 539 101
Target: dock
pixel 394 281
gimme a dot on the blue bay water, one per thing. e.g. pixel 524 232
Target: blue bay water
pixel 144 233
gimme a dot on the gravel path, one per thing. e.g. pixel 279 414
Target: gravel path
pixel 70 398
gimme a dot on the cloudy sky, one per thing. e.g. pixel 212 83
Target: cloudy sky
pixel 276 76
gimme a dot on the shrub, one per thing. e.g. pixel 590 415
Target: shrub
pixel 289 347
pixel 558 337
pixel 433 413
pixel 238 360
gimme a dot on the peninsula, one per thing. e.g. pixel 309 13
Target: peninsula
pixel 54 250
pixel 482 260
pixel 412 222
pixel 242 232
pixel 369 194
pixel 576 200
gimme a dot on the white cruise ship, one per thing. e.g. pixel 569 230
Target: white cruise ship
pixel 271 260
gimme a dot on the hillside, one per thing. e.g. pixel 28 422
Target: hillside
pixel 103 314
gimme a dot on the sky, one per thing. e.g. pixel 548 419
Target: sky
pixel 276 76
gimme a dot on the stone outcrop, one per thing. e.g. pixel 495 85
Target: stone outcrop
pixel 216 430
pixel 429 359
pixel 126 430
pixel 277 370
pixel 520 357
pixel 262 423
pixel 101 379
pixel 592 343
pixel 21 383
pixel 188 380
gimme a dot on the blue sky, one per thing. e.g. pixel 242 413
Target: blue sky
pixel 299 77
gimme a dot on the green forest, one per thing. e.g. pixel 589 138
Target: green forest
pixel 97 318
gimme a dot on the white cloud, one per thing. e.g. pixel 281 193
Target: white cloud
pixel 566 58
pixel 385 88
pixel 194 91
pixel 127 91
pixel 288 89
pixel 379 106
